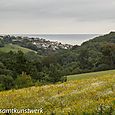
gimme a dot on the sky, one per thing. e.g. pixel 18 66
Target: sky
pixel 57 16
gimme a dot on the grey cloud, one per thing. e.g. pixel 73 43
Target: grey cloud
pixel 45 10
pixel 78 9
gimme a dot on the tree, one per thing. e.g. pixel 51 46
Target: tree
pixel 23 80
pixel 83 58
pixel 7 82
pixel 1 43
pixel 108 51
pixel 55 74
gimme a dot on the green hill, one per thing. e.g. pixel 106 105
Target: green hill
pixel 14 48
pixel 97 54
pixel 92 96
pixel 107 38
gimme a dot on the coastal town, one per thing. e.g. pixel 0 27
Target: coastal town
pixel 36 42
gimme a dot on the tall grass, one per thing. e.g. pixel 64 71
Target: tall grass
pixel 94 95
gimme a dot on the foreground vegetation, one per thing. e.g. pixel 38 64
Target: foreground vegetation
pixel 94 95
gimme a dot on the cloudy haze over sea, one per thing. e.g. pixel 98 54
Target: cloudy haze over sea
pixel 74 39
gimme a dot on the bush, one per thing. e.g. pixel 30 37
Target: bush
pixel 23 80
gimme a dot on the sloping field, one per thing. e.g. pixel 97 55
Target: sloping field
pixel 92 96
pixel 14 48
pixel 88 75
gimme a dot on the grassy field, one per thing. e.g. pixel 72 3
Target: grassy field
pixel 94 95
pixel 14 48
pixel 88 75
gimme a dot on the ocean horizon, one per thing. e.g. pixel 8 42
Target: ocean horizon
pixel 73 39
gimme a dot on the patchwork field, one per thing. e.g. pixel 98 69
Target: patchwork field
pixel 94 95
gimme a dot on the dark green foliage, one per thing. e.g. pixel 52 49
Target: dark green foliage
pixel 1 43
pixel 6 82
pixel 26 71
pixel 108 51
pixel 55 74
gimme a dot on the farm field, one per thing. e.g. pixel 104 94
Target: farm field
pixel 94 95
pixel 11 47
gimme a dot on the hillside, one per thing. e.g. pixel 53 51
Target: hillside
pixel 47 66
pixel 40 45
pixel 15 48
pixel 97 54
pixel 94 95
pixel 109 38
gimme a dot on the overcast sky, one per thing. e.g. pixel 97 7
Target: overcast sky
pixel 57 16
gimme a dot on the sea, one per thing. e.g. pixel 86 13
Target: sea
pixel 73 39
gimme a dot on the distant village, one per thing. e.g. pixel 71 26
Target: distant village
pixel 39 42
pixel 49 44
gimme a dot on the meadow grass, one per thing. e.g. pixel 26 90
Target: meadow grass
pixel 91 74
pixel 14 48
pixel 92 96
